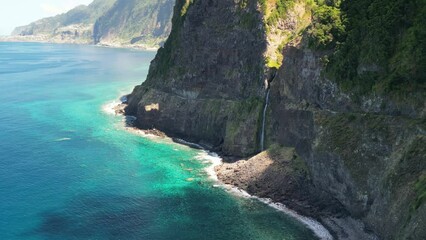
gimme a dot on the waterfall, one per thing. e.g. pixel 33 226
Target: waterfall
pixel 262 133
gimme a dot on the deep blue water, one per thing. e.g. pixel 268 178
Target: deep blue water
pixel 69 170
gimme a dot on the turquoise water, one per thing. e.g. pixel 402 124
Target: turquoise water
pixel 68 170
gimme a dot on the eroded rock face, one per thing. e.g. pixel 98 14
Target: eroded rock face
pixel 197 99
pixel 364 165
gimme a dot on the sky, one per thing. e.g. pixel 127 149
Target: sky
pixel 15 13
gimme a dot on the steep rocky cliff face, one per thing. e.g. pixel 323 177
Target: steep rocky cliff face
pixel 108 22
pixel 373 163
pixel 193 97
pixel 132 22
pixel 352 157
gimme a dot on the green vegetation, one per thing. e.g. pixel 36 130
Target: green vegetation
pixel 342 136
pixel 164 54
pixel 248 20
pixel 274 63
pixel 382 48
pixel 185 7
pixel 128 22
pixel 420 189
pixel 345 134
pixel 275 10
pixel 296 163
pixel 79 15
pixel 244 113
pixel 375 45
pixel 327 27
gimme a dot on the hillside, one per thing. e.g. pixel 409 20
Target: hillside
pixel 131 21
pixel 107 22
pixel 325 101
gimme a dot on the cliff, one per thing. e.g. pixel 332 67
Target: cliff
pixel 336 89
pixel 106 22
pixel 195 98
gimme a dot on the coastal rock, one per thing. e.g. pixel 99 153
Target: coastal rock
pixel 119 109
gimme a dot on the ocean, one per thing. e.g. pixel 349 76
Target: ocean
pixel 71 170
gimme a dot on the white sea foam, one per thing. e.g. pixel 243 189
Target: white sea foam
pixel 109 108
pixel 213 159
pixel 62 139
pixel 312 224
pixel 141 133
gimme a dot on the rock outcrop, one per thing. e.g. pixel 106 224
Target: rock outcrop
pixel 356 162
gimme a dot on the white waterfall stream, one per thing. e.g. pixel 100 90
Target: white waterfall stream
pixel 262 134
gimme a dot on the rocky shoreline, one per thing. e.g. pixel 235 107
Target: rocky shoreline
pixel 232 174
pixel 277 177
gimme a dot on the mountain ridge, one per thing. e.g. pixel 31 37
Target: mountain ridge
pixel 118 23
